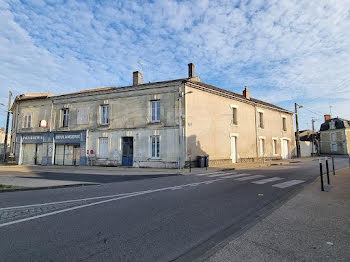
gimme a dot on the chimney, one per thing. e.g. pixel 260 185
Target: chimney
pixel 190 70
pixel 137 78
pixel 327 117
pixel 246 93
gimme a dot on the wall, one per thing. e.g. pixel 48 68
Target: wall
pixel 341 141
pixel 209 127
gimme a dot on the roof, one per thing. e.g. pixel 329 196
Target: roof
pixel 339 123
pixel 239 96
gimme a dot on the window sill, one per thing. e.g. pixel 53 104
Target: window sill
pixel 235 125
pixel 103 125
pixel 154 159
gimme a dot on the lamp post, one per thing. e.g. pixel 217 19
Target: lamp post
pixel 7 126
pixel 297 128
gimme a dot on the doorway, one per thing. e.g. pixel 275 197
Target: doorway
pixel 127 151
pixel 284 149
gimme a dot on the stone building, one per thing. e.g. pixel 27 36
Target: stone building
pixel 158 124
pixel 335 136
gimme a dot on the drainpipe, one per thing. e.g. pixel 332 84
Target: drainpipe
pixel 256 133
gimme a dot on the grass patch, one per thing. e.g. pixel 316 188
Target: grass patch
pixel 7 187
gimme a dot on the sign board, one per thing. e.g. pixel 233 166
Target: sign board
pixel 32 138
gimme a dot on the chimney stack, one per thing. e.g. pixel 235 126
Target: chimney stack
pixel 190 70
pixel 327 117
pixel 246 93
pixel 137 78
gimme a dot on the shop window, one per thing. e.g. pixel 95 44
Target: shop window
pixel 65 117
pixel 155 111
pixel 104 111
pixel 155 146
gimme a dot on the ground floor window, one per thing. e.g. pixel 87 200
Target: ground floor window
pixel 262 147
pixel 274 146
pixel 103 147
pixel 155 146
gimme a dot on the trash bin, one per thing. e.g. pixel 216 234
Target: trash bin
pixel 200 161
pixel 206 160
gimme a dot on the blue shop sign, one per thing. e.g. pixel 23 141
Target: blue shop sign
pixel 69 138
pixel 32 138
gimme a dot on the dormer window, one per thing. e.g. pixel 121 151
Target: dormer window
pixel 332 125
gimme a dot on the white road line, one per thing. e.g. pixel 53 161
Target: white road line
pixel 288 183
pixel 223 174
pixel 249 177
pixel 205 174
pixel 66 201
pixel 238 175
pixel 133 194
pixel 267 180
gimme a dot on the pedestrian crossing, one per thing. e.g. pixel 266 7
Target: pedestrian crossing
pixel 254 179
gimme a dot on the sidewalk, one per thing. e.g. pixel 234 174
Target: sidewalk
pixel 312 226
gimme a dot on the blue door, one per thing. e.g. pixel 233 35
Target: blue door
pixel 128 151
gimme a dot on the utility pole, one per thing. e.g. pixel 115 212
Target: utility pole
pixel 297 129
pixel 7 126
pixel 312 135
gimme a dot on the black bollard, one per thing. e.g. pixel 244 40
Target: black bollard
pixel 333 165
pixel 321 175
pixel 327 168
pixel 190 164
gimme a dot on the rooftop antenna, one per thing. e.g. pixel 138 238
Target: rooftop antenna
pixel 330 109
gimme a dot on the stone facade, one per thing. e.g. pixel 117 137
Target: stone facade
pixel 161 124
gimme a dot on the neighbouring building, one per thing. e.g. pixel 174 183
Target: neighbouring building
pixel 2 140
pixel 158 124
pixel 335 136
pixel 309 143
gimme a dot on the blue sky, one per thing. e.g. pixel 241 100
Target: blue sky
pixel 283 50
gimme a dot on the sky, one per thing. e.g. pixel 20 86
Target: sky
pixel 285 51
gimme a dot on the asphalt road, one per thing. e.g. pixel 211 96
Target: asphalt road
pixel 181 218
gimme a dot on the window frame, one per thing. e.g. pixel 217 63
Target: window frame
pixel 102 115
pixel 26 122
pixel 274 146
pixel 262 148
pixel 155 147
pixel 284 123
pixel 65 116
pixel 155 111
pixel 261 119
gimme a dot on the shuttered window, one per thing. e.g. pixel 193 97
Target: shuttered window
pixel 104 111
pixel 27 121
pixel 103 147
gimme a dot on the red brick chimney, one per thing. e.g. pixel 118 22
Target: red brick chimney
pixel 246 93
pixel 327 117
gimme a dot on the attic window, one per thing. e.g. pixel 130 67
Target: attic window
pixel 332 125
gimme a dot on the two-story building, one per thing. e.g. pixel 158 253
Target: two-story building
pixel 335 136
pixel 158 124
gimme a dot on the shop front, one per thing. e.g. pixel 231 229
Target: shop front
pixel 31 149
pixel 70 148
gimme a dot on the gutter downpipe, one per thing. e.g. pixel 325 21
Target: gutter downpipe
pixel 256 133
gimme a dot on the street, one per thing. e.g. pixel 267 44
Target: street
pixel 154 218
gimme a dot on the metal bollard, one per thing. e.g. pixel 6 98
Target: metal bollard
pixel 321 175
pixel 190 164
pixel 333 165
pixel 327 168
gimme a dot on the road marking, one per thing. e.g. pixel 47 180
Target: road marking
pixel 129 195
pixel 238 175
pixel 205 174
pixel 223 174
pixel 267 180
pixel 66 201
pixel 288 183
pixel 249 177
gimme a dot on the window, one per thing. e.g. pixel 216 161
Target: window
pixel 334 147
pixel 284 124
pixel 103 147
pixel 262 147
pixel 333 137
pixel 155 147
pixel 65 117
pixel 261 119
pixel 155 111
pixel 274 146
pixel 27 121
pixel 104 114
pixel 234 116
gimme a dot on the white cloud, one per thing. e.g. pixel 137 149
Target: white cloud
pixel 283 50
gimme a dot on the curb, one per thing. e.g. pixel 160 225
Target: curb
pixel 47 187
